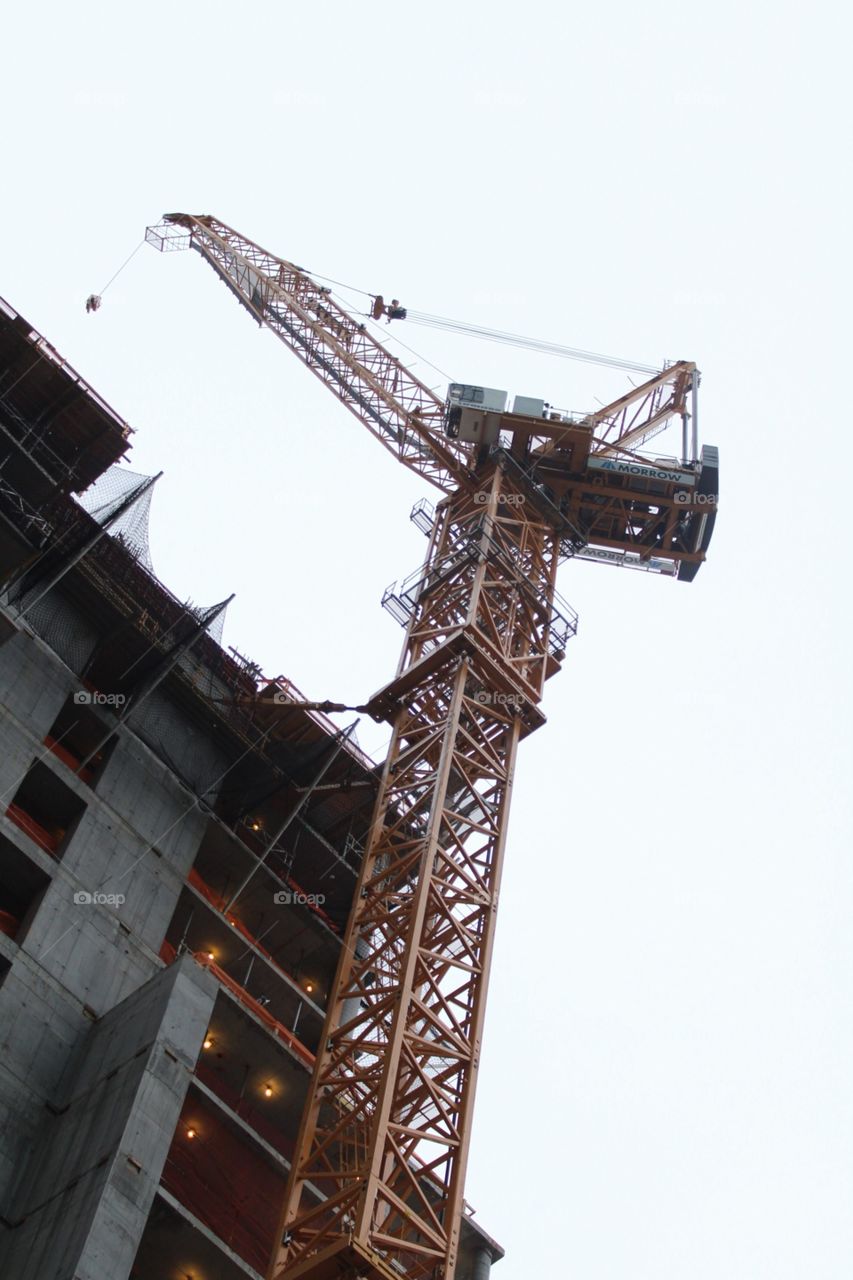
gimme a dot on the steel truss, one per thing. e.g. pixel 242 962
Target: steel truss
pixel 395 406
pixel 376 1184
pixel 385 1133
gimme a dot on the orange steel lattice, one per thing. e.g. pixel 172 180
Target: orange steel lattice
pixel 377 1179
pixel 385 1135
pixel 395 406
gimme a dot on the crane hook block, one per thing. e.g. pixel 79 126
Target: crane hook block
pixel 93 302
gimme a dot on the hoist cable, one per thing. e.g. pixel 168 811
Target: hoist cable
pixel 532 344
pixel 497 335
pixel 392 337
pixel 122 267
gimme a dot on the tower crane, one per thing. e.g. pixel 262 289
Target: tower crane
pixel 377 1178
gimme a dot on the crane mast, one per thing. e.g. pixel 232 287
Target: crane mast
pixel 377 1179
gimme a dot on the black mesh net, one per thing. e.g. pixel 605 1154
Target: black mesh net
pixel 63 628
pixel 131 528
pixel 188 751
pixel 108 492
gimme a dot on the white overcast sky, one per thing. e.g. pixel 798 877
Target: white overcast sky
pixel 666 1082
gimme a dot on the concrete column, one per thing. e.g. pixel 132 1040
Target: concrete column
pixel 482 1265
pixel 85 1194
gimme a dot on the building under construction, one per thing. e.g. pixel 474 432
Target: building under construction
pixel 180 843
pixel 246 969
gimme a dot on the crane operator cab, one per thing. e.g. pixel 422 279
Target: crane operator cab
pixel 625 507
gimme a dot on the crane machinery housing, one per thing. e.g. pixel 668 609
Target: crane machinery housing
pixel 377 1179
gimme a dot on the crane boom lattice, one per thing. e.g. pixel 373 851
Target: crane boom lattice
pixel 377 1178
pixel 385 1134
pixel 395 406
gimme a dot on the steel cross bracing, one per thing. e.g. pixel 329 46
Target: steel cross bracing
pixel 386 1130
pixel 643 413
pixel 400 410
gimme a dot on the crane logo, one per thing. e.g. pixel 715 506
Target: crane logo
pixel 625 468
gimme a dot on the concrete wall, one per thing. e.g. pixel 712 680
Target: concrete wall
pixel 80 1204
pixel 84 948
pixel 152 803
pixel 33 687
pixel 167 730
pixel 39 1028
pixel 63 627
pixel 80 965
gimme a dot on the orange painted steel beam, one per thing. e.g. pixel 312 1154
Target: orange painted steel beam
pixel 387 1122
pixel 385 1134
pixel 395 406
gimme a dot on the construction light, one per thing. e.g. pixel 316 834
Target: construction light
pixel 309 987
pixel 267 1090
pixel 208 1042
pixel 192 1133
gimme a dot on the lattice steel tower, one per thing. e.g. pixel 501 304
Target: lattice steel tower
pixel 378 1174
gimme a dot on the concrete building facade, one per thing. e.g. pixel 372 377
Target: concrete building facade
pixel 179 845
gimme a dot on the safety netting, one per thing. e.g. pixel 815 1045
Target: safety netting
pixel 131 528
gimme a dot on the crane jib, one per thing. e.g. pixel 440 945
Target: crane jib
pixel 250 286
pixel 390 431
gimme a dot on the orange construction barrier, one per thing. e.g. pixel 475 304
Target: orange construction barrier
pixel 85 775
pixel 278 1028
pixel 225 1182
pixel 219 903
pixel 30 827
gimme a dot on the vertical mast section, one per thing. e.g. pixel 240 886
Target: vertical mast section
pixel 385 1133
pixel 402 412
pixel 377 1178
